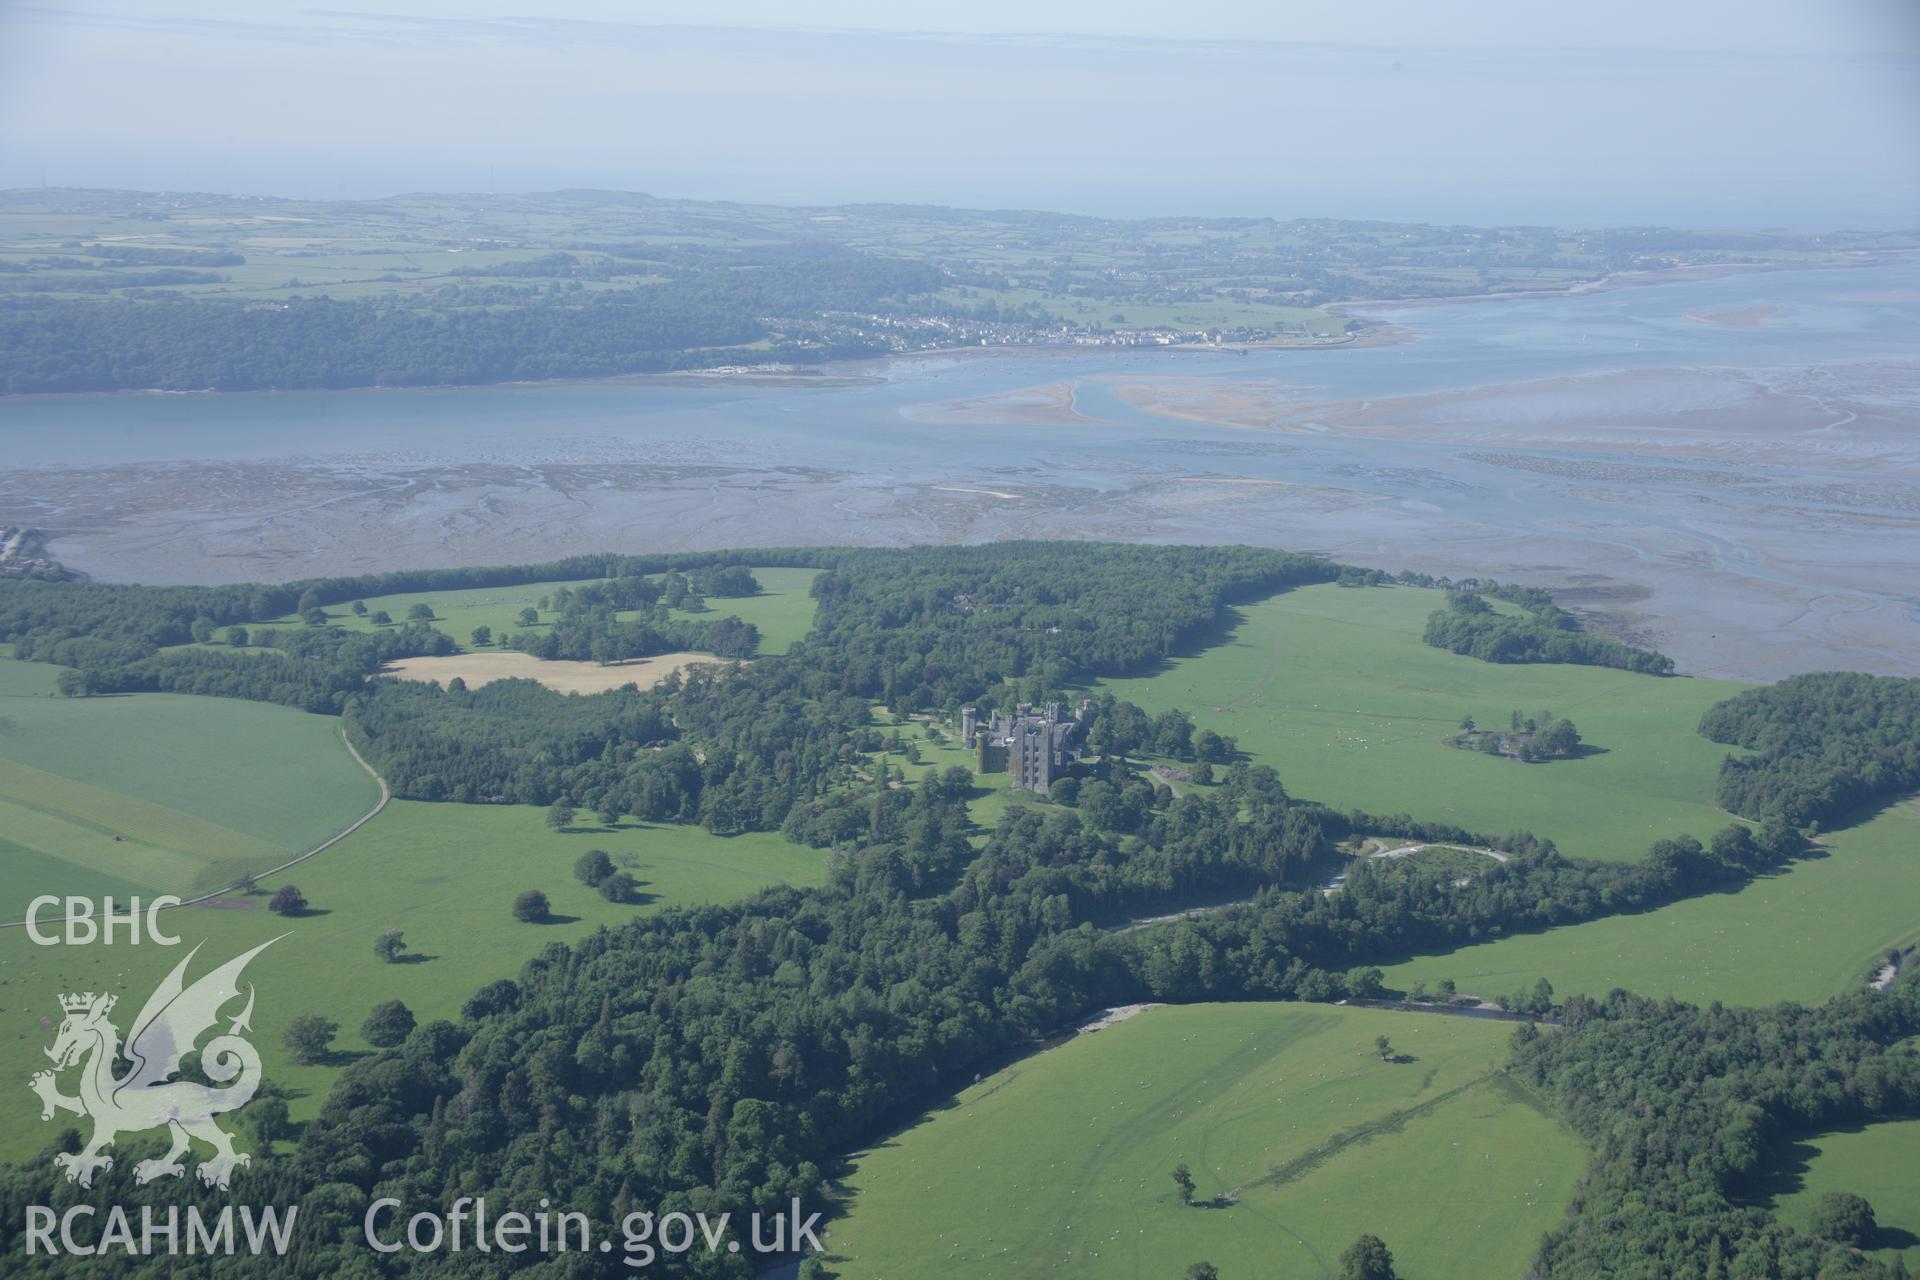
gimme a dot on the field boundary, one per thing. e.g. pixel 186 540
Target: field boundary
pixel 386 794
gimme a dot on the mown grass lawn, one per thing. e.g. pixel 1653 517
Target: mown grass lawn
pixel 444 874
pixel 1060 1165
pixel 993 793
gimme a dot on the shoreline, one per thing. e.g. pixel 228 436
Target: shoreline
pixel 1380 334
pixel 838 374
pixel 678 377
pixel 855 372
pixel 835 375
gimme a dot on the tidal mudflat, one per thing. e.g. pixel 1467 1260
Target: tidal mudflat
pixel 1743 494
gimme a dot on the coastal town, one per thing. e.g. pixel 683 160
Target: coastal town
pixel 908 333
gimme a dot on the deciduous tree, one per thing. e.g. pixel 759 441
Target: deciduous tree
pixel 1845 1217
pixel 1367 1259
pixel 592 867
pixel 388 1024
pixel 309 1037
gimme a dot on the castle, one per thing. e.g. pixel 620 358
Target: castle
pixel 1035 748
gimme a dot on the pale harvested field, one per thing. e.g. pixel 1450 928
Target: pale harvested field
pixel 561 675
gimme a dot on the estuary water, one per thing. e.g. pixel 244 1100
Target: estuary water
pixel 1822 316
pixel 1728 467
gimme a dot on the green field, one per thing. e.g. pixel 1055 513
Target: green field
pixel 783 610
pixel 198 790
pixel 1059 1165
pixel 1806 933
pixel 1333 687
pixel 444 874
pixel 1880 1162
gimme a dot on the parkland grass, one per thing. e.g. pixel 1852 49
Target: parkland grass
pixel 445 875
pixel 1334 688
pixel 1060 1165
pixel 1807 932
pixel 1877 1161
pixel 159 793
pixel 783 611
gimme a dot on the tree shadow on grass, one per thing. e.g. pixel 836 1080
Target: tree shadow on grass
pixel 1785 1175
pixel 305 913
pixel 948 1099
pixel 415 957
pixel 636 897
pixel 1812 853
pixel 1886 1237
pixel 551 918
pixel 335 1058
pixel 1785 1171
pixel 1196 642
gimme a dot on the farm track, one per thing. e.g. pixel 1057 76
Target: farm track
pixel 1333 884
pixel 386 794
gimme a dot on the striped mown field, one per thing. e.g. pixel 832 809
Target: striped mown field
pixel 1060 1165
pixel 159 793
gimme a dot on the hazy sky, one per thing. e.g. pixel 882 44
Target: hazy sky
pixel 1723 112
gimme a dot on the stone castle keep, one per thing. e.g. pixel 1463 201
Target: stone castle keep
pixel 1035 747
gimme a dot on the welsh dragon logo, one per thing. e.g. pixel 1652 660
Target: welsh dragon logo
pixel 170 1023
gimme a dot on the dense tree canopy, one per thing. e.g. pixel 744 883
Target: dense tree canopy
pixel 1544 633
pixel 728 1055
pixel 1683 1107
pixel 1824 744
pixel 460 334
